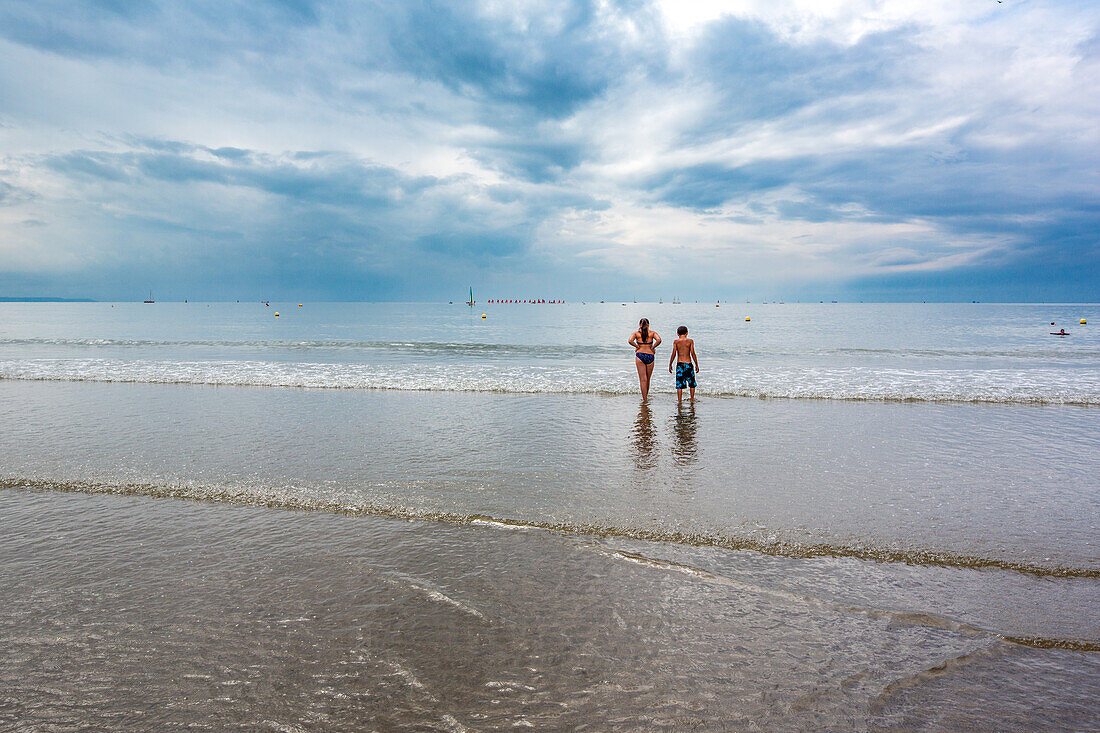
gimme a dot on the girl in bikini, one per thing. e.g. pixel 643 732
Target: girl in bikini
pixel 645 343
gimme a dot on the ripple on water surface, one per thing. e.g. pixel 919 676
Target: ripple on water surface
pixel 153 612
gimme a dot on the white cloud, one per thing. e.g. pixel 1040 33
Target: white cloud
pixel 841 138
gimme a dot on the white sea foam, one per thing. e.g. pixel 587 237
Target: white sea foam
pixel 1040 385
pixel 772 542
pixel 1027 353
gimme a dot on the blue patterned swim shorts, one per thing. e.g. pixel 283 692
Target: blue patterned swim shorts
pixel 685 375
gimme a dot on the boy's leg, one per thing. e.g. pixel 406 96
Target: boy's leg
pixel 679 395
pixel 693 394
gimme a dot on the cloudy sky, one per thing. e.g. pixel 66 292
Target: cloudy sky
pixel 404 150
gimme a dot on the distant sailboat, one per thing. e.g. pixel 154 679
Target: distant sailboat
pixel 470 302
pixel 150 297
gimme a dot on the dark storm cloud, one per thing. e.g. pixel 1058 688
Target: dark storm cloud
pixel 330 217
pixel 515 79
pixel 328 178
pixel 550 68
pixel 756 74
pixel 479 243
pixel 709 185
pixel 534 161
pixel 194 32
pixel 981 192
pixel 760 76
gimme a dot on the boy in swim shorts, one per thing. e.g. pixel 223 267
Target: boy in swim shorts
pixel 683 353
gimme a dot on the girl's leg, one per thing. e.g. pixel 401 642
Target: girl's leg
pixel 648 375
pixel 643 380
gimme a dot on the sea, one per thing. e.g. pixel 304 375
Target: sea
pixel 431 516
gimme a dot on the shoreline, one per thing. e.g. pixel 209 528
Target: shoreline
pixel 750 394
pixel 353 507
pixel 174 612
pixel 901 482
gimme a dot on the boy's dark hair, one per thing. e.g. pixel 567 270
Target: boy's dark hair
pixel 682 331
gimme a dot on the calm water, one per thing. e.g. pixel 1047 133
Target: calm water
pixel 961 352
pixel 488 530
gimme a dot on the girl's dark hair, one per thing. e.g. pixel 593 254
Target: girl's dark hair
pixel 643 327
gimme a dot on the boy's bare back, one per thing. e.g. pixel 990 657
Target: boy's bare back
pixel 684 349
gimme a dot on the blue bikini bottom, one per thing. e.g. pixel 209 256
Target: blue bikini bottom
pixel 644 358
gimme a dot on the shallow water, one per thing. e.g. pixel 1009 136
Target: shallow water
pixel 427 554
pixel 130 612
pixel 894 352
pixel 973 485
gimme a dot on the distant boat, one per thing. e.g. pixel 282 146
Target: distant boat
pixel 470 302
pixel 150 298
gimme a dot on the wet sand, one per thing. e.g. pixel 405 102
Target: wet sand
pixel 292 559
pixel 154 613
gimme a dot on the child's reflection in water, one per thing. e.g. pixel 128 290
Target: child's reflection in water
pixel 643 438
pixel 684 449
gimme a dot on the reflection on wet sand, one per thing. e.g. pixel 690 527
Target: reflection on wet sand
pixel 684 449
pixel 643 438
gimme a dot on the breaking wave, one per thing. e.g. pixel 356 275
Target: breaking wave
pixel 308 499
pixel 488 349
pixel 1037 386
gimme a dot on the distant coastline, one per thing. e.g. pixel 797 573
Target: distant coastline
pixel 4 299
